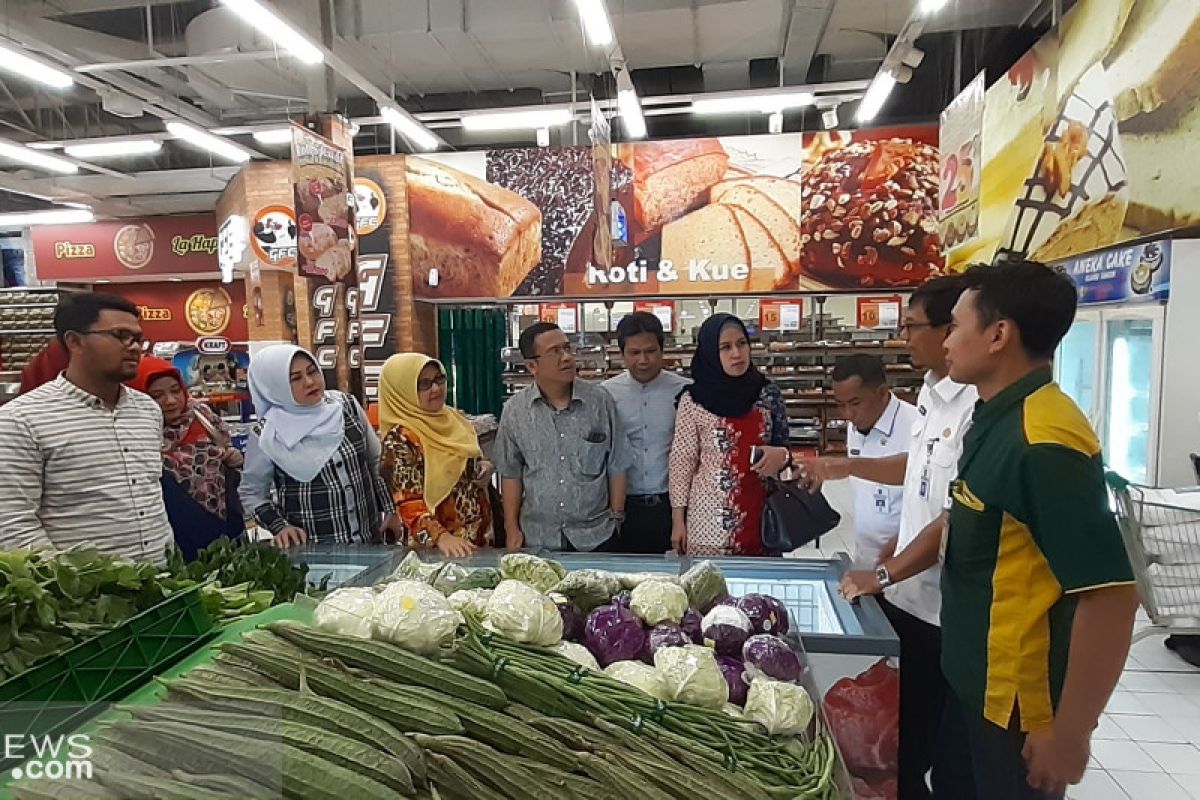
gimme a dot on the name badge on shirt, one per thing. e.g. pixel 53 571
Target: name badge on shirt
pixel 883 501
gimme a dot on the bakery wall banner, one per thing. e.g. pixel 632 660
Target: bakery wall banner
pixel 325 217
pixel 960 139
pixel 834 211
pixel 1088 139
pixel 1137 273
pixel 127 248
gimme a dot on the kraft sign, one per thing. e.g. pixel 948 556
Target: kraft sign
pixel 212 345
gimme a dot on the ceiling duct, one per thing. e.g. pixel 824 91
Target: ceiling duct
pixel 219 31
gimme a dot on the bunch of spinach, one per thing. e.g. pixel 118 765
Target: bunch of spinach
pixel 245 572
pixel 50 601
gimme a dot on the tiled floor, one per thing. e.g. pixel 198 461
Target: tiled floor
pixel 1147 746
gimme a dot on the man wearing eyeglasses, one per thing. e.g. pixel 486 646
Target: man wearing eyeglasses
pixel 82 453
pixel 561 453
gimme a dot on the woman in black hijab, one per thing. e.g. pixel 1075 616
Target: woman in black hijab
pixel 717 494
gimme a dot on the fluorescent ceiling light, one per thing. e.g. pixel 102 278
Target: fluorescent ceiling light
pixel 271 25
pixel 933 6
pixel 631 113
pixel 274 136
pixel 409 128
pixel 206 141
pixel 517 120
pixel 876 96
pixel 20 64
pixel 595 22
pixel 54 216
pixel 26 155
pixel 124 147
pixel 750 103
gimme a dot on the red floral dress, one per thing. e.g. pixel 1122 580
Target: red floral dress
pixel 711 476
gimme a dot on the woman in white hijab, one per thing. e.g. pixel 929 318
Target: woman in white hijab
pixel 318 452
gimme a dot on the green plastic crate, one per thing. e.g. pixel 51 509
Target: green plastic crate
pixel 57 695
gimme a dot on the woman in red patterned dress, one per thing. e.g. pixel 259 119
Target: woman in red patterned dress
pixel 717 494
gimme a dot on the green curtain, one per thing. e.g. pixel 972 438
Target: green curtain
pixel 469 344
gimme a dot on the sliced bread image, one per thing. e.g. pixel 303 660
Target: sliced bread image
pixel 672 177
pixel 1089 33
pixel 1157 56
pixel 768 268
pixel 786 194
pixel 783 227
pixel 713 239
pixel 1164 192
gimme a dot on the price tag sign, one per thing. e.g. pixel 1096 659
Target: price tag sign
pixel 780 315
pixel 879 312
pixel 664 311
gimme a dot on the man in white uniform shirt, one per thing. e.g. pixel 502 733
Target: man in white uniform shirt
pixel 913 606
pixel 645 396
pixel 879 425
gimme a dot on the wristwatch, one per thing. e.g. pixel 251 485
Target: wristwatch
pixel 883 576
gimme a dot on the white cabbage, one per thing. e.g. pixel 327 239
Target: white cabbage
pixel 415 616
pixel 638 675
pixel 656 602
pixel 784 709
pixel 348 611
pixel 691 675
pixel 577 653
pixel 524 614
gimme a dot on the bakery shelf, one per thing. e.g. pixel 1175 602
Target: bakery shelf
pixel 28 332
pixel 4 305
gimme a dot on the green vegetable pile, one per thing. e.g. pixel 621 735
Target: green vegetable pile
pixel 51 601
pixel 310 713
pixel 240 578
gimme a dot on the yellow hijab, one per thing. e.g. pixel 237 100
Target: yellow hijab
pixel 447 438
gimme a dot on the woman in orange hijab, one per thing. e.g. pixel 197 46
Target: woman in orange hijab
pixel 199 465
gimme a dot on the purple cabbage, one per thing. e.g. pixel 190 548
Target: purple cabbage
pixel 734 672
pixel 693 626
pixel 721 600
pixel 726 629
pixel 766 614
pixel 666 635
pixel 623 598
pixel 613 634
pixel 572 620
pixel 772 657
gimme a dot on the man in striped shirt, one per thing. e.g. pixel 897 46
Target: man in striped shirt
pixel 81 456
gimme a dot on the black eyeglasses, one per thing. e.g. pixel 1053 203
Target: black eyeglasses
pixel 558 352
pixel 426 385
pixel 126 337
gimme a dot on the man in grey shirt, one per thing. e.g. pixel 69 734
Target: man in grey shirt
pixel 561 454
pixel 645 397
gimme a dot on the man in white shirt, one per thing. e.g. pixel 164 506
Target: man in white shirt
pixel 83 454
pixel 645 396
pixel 913 606
pixel 879 425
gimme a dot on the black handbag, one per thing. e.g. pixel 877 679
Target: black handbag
pixel 793 517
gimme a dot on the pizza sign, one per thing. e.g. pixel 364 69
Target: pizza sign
pixel 274 236
pixel 209 311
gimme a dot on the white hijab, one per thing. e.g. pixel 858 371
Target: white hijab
pixel 298 439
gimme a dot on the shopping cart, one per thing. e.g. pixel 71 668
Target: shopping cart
pixel 1161 531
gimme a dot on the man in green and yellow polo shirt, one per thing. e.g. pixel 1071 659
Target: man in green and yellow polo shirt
pixel 1037 593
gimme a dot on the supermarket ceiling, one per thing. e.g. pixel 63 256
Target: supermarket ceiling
pixel 139 64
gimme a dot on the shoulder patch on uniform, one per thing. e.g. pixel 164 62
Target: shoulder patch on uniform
pixel 1050 417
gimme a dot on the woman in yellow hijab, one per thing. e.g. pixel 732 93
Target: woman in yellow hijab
pixel 438 476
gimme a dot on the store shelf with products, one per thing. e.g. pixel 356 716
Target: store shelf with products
pixel 26 324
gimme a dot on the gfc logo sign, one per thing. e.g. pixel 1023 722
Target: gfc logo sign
pixel 50 757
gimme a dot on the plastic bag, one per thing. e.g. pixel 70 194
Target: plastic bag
pixel 639 675
pixel 656 602
pixel 348 611
pixel 577 653
pixel 540 573
pixel 691 675
pixel 784 709
pixel 588 588
pixel 415 616
pixel 704 584
pixel 523 614
pixel 471 603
